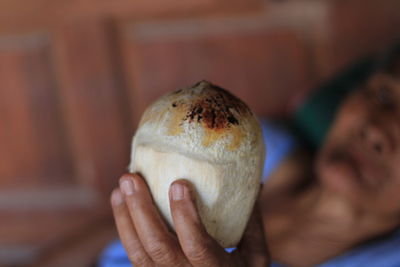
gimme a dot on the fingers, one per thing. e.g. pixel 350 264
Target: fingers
pixel 253 246
pixel 161 246
pixel 127 232
pixel 198 246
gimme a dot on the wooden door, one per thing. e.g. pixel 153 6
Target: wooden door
pixel 64 137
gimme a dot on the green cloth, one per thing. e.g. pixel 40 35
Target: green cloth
pixel 313 119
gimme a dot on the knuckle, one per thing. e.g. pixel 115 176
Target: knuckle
pixel 139 258
pixel 197 251
pixel 160 251
pixel 136 254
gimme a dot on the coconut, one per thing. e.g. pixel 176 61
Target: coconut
pixel 205 135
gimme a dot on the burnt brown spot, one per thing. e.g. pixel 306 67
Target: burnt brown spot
pixel 198 83
pixel 232 120
pixel 177 92
pixel 218 109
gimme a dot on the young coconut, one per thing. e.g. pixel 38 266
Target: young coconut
pixel 209 137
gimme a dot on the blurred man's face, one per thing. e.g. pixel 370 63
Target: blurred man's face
pixel 361 156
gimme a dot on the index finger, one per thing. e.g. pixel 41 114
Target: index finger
pixel 159 243
pixel 127 233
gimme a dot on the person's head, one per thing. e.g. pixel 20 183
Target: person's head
pixel 360 159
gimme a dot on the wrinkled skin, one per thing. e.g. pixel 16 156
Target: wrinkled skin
pixel 149 242
pixel 352 193
pixel 361 156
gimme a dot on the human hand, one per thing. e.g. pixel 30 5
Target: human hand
pixel 148 241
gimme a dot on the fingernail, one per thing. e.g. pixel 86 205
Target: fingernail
pixel 116 198
pixel 127 187
pixel 177 191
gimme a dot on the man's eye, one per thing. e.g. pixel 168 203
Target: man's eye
pixel 385 98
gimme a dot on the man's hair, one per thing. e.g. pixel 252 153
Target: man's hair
pixel 390 62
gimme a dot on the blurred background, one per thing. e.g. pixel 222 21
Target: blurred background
pixel 75 77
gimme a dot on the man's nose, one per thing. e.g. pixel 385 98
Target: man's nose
pixel 374 138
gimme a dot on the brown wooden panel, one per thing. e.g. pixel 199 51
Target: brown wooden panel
pixel 355 29
pixel 263 64
pixel 93 103
pixel 34 149
pixel 28 15
pixel 26 238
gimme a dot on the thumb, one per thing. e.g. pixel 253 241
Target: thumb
pixel 253 246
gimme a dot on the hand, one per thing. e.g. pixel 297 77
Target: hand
pixel 149 242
